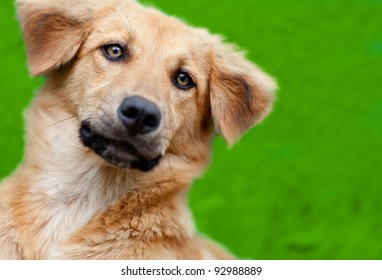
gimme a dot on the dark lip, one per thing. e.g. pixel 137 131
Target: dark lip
pixel 101 145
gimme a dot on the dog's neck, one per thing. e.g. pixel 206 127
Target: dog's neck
pixel 68 184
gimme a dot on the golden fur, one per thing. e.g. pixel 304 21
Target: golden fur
pixel 64 201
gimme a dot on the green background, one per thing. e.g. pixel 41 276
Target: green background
pixel 305 184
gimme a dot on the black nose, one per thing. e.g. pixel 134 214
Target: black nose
pixel 139 115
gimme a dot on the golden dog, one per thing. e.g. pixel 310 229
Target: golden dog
pixel 120 129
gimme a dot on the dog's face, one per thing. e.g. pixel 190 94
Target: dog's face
pixel 140 83
pixel 147 80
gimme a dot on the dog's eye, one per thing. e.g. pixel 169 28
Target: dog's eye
pixel 183 81
pixel 114 52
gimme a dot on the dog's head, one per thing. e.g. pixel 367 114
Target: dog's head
pixel 140 83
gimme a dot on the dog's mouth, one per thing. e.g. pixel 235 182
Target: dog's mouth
pixel 117 152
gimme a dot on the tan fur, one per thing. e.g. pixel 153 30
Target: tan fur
pixel 64 201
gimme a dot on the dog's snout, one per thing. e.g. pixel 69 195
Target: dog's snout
pixel 139 115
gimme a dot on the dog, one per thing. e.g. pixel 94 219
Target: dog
pixel 122 125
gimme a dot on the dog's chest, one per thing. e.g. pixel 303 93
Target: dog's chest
pixel 70 206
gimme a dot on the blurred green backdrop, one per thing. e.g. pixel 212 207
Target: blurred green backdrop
pixel 307 183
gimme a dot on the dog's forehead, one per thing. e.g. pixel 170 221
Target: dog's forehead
pixel 132 22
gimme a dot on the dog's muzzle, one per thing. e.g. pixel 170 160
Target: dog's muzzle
pixel 132 146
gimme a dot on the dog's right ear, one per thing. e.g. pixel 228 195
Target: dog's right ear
pixel 52 35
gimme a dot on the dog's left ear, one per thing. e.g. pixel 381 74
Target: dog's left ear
pixel 52 35
pixel 241 95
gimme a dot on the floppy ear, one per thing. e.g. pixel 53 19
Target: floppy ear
pixel 241 95
pixel 52 35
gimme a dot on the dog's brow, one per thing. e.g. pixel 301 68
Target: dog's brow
pixel 129 28
pixel 182 61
